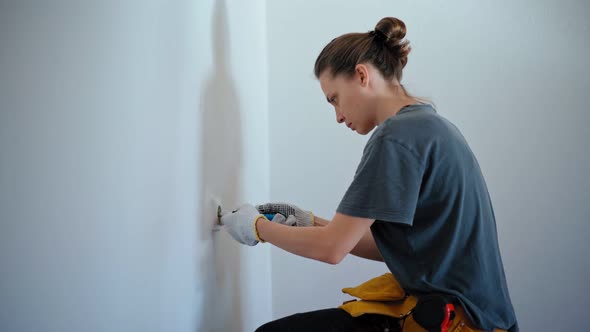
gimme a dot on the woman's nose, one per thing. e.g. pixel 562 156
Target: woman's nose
pixel 339 118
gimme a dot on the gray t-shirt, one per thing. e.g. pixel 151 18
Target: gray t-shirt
pixel 435 226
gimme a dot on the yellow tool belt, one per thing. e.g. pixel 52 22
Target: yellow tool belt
pixel 384 295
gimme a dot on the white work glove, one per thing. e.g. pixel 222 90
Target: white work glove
pixel 241 224
pixel 290 211
pixel 279 218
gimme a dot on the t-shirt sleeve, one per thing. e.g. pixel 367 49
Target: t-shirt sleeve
pixel 386 184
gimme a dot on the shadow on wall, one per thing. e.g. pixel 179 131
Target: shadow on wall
pixel 220 179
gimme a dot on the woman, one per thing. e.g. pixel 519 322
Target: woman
pixel 418 201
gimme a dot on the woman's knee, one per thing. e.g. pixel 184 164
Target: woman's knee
pixel 265 328
pixel 280 325
pixel 269 327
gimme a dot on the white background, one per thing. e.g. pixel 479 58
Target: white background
pixel 122 123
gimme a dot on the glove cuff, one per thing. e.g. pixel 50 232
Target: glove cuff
pixel 254 224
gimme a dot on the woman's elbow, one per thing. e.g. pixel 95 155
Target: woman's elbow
pixel 335 256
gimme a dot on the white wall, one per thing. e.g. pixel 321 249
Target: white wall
pixel 512 76
pixel 119 121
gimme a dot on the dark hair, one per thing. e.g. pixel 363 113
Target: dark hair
pixel 384 47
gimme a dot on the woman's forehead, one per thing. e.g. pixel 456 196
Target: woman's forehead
pixel 327 80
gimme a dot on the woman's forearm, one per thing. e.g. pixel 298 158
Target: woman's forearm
pixel 365 248
pixel 317 221
pixel 310 242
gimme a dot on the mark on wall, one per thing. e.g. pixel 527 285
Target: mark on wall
pixel 220 180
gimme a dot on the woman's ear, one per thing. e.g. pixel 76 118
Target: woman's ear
pixel 362 74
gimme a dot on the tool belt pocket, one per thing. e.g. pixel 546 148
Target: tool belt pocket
pixel 462 327
pixel 382 295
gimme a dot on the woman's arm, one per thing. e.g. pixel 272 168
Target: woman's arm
pixel 329 244
pixel 365 248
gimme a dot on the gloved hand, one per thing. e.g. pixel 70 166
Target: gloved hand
pixel 279 218
pixel 290 211
pixel 241 224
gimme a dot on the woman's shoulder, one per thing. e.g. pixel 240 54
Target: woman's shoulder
pixel 417 129
pixel 411 122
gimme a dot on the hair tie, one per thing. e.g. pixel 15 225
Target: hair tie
pixel 378 34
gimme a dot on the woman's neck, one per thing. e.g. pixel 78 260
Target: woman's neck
pixel 389 104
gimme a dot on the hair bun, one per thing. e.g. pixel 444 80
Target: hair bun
pixel 392 28
pixel 394 31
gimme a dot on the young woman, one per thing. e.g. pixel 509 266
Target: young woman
pixel 418 201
